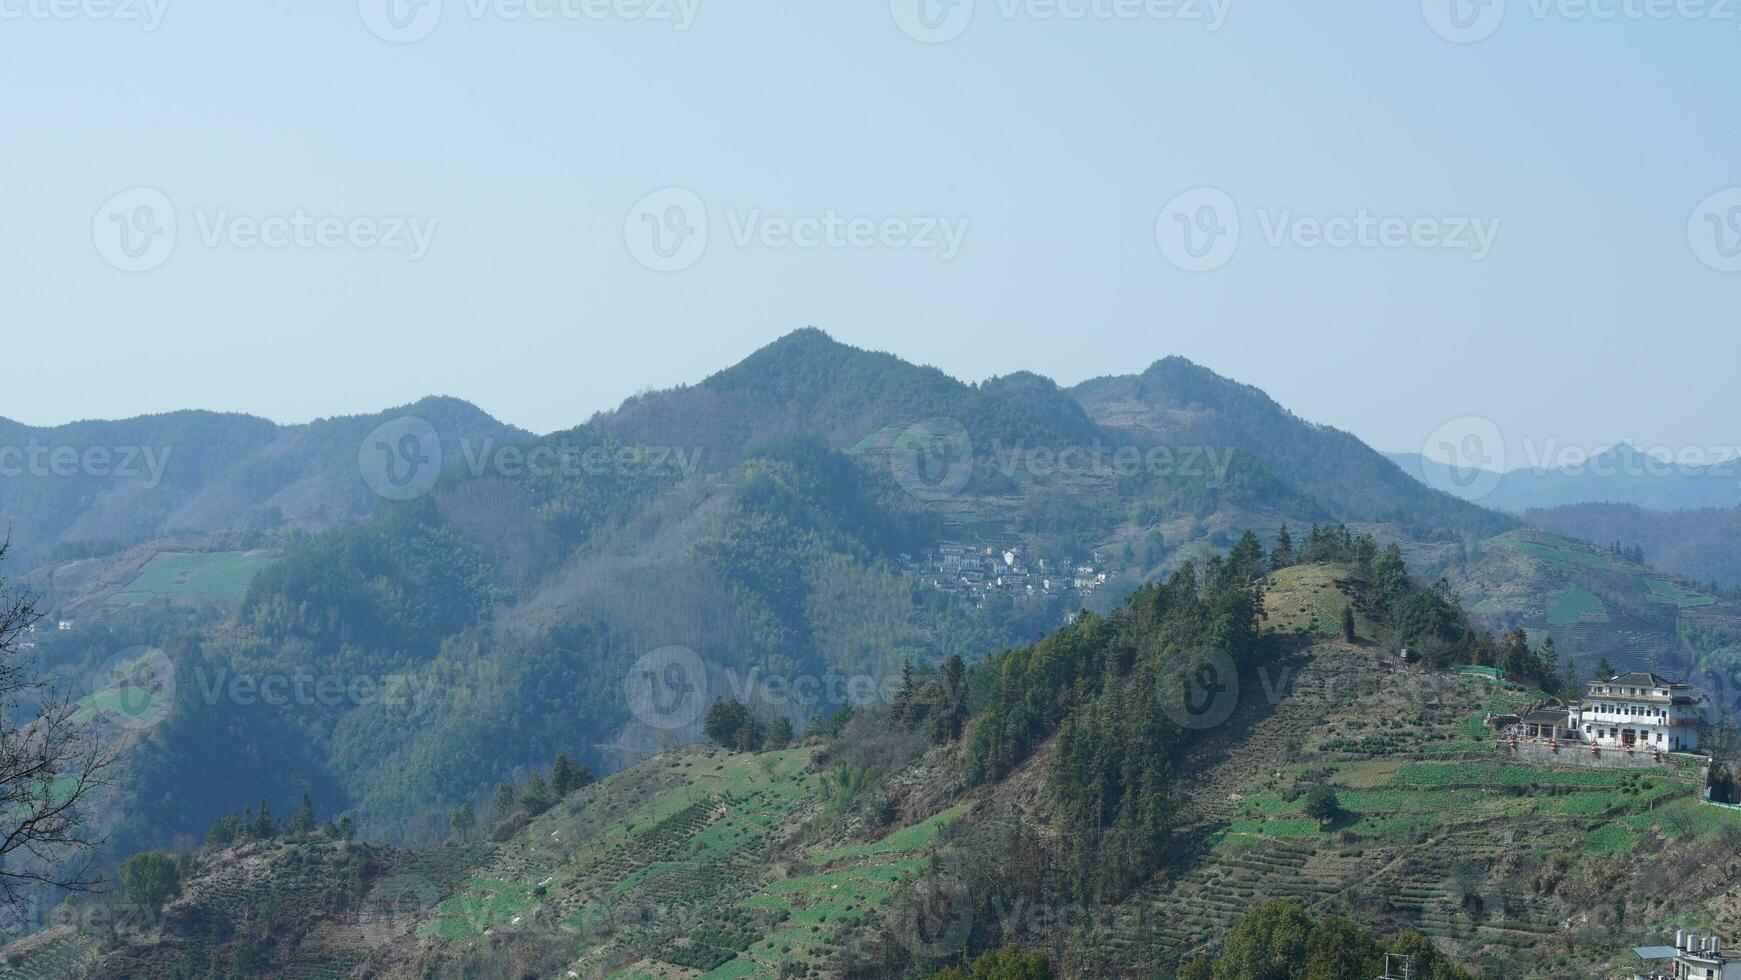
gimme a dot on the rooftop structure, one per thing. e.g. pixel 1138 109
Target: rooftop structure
pixel 1692 957
pixel 1637 711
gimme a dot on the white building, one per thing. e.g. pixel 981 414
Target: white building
pixel 1635 712
pixel 1640 710
pixel 1690 958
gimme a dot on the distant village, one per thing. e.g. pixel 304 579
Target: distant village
pixel 978 573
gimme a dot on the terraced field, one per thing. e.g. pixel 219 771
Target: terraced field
pixel 1575 605
pixel 694 869
pixel 222 576
pixel 1435 824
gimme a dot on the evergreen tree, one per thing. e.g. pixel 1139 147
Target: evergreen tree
pixel 1246 559
pixel 1283 554
pixel 780 732
pixel 504 800
pixel 302 822
pixel 566 776
pixel 538 797
pixel 463 821
pixel 149 879
pixel 265 828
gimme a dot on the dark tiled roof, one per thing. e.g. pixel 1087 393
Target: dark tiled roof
pixel 1639 678
pixel 1546 716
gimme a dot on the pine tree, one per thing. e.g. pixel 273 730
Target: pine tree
pixel 1283 554
pixel 505 800
pixel 303 821
pixel 566 776
pixel 463 821
pixel 537 798
pixel 265 828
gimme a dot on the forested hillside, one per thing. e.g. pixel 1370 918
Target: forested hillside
pixel 89 487
pixel 1116 799
pixel 770 534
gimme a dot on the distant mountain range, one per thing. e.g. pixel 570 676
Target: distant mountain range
pixel 1619 475
pixel 114 483
pixel 751 525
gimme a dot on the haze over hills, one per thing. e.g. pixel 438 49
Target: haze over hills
pixel 100 483
pixel 1621 474
pixel 1060 797
pixel 779 519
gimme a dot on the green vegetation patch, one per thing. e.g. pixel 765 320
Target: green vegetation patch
pixel 1577 604
pixel 1560 554
pixel 222 575
pixel 1661 591
pixel 481 905
pixel 1608 839
pixel 909 839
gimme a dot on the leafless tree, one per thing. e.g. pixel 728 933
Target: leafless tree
pixel 52 769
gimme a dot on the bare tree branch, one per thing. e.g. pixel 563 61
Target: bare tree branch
pixel 52 768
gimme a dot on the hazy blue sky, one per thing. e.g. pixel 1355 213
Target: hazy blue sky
pixel 530 143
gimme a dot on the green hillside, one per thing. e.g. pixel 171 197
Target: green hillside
pixel 1596 604
pixel 884 846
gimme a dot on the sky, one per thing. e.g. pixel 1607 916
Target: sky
pixel 1397 217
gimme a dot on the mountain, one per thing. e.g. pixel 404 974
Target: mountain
pixel 1179 403
pixel 1597 604
pixel 1621 474
pixel 89 486
pixel 1075 807
pixel 1694 544
pixel 775 532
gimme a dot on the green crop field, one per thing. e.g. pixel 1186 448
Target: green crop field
pixel 1575 605
pixel 1661 591
pixel 1559 556
pixel 135 690
pixel 222 575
